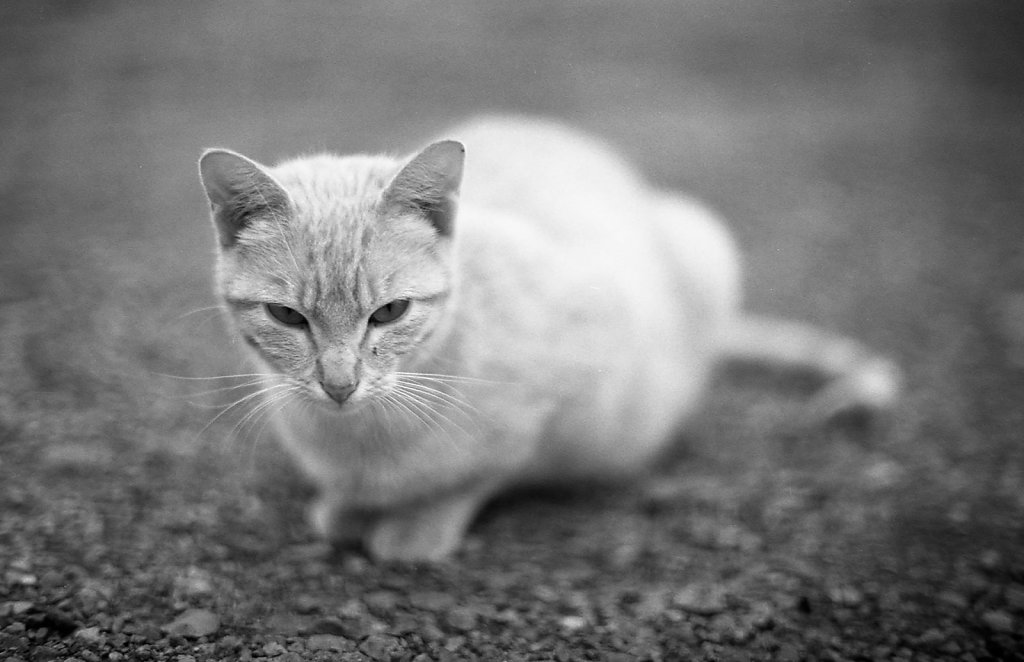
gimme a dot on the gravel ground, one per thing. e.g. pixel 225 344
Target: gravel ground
pixel 869 156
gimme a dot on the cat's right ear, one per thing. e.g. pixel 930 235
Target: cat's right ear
pixel 239 189
pixel 429 184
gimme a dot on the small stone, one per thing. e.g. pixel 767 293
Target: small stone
pixel 990 559
pixel 461 619
pixel 286 624
pixel 381 601
pixel 701 599
pixel 194 623
pixel 16 608
pixel 845 595
pixel 328 642
pixel 932 637
pixel 952 648
pixel 380 646
pixel 184 658
pixel 273 649
pixel 44 654
pixel 306 604
pixel 354 628
pixel 327 626
pixel 998 620
pixel 194 582
pixel 20 578
pixel 953 599
pixel 1015 597
pixel 89 635
pixel 573 623
pixel 788 653
pixel 431 600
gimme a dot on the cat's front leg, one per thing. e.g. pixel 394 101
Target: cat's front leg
pixel 334 523
pixel 428 532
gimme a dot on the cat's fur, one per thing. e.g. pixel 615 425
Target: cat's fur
pixel 564 319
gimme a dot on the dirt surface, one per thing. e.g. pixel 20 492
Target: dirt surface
pixel 869 156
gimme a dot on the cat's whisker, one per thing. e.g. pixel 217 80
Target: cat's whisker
pixel 455 400
pixel 249 397
pixel 416 410
pixel 427 415
pixel 262 412
pixel 196 311
pixel 224 389
pixel 434 408
pixel 236 376
pixel 263 407
pixel 440 398
pixel 440 377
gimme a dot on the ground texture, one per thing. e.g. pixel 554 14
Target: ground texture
pixel 869 156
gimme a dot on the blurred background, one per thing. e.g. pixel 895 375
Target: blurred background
pixel 867 154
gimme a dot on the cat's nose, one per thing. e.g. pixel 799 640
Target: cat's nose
pixel 339 392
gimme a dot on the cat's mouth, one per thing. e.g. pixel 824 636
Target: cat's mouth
pixel 341 400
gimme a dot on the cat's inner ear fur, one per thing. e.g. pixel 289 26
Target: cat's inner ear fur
pixel 239 190
pixel 429 185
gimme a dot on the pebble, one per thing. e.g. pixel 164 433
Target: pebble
pixel 380 646
pixel 998 620
pixel 328 642
pixel 788 653
pixel 953 599
pixel 89 635
pixel 1015 597
pixel 381 601
pixel 327 626
pixel 431 600
pixel 15 608
pixel 273 649
pixel 932 637
pixel 573 623
pixel 701 599
pixel 306 604
pixel 461 619
pixel 845 595
pixel 194 623
pixel 286 624
pixel 194 582
pixel 990 559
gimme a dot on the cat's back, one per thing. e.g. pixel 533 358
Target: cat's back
pixel 566 181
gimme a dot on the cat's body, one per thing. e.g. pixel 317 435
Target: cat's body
pixel 563 323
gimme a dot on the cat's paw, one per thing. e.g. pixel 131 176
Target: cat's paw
pixel 867 393
pixel 332 523
pixel 401 540
pixel 426 533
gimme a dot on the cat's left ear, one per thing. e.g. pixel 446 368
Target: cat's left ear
pixel 429 185
pixel 239 189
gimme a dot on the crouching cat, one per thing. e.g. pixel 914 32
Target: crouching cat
pixel 431 334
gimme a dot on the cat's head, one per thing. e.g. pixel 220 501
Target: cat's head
pixel 335 270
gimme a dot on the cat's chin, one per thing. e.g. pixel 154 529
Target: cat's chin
pixel 328 406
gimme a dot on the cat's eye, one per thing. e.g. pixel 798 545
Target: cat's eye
pixel 390 312
pixel 286 315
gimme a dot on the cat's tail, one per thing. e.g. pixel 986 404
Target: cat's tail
pixel 857 378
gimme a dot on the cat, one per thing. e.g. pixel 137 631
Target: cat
pixel 507 306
